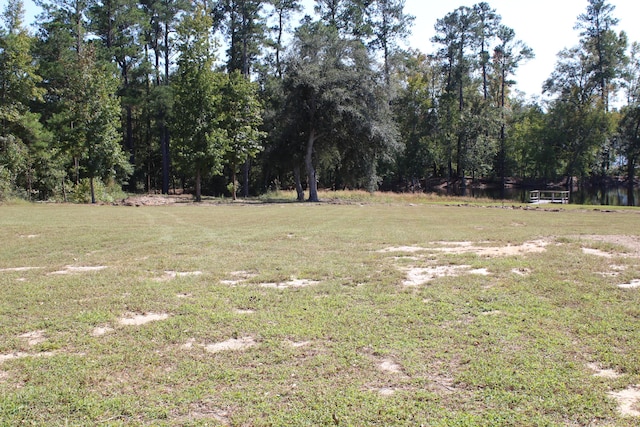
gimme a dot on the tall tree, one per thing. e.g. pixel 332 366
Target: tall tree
pixel 389 24
pixel 628 133
pixel 334 103
pixel 576 114
pixel 241 118
pixel 118 24
pixel 283 10
pixel 456 34
pixel 244 27
pixel 200 143
pixel 606 49
pixel 507 56
pixel 23 142
pixel 87 123
pixel 487 26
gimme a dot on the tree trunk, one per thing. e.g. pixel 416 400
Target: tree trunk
pixel 198 186
pixel 130 147
pixel 245 178
pixel 311 172
pixel 630 182
pixel 164 148
pixel 299 189
pixel 93 192
pixel 233 181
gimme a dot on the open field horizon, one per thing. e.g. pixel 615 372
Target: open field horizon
pixel 359 311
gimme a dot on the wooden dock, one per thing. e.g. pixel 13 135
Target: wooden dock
pixel 548 196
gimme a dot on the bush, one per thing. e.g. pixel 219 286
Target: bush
pixel 108 193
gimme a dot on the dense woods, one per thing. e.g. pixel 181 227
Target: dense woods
pixel 223 97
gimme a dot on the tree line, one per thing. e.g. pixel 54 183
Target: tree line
pixel 228 96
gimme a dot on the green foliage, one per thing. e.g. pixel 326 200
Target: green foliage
pixel 200 143
pixel 103 193
pixel 241 118
pixel 336 108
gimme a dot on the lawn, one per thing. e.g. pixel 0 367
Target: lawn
pixel 387 311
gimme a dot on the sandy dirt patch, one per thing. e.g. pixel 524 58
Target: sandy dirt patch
pixel 18 269
pixel 245 311
pixel 184 295
pixel 233 344
pixel 521 271
pixel 534 246
pixel 21 355
pixel 141 319
pixel 603 373
pixel 630 243
pixel 203 411
pixel 70 269
pixel 170 275
pixel 492 313
pixel 419 276
pixel 294 283
pixel 237 277
pixel 596 252
pixel 99 331
pixel 409 249
pixel 634 284
pixel 389 365
pixel 628 401
pixel 386 391
pixel 34 337
pixel 297 344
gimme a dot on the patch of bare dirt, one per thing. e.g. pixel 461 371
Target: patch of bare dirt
pixel 409 249
pixel 419 276
pixel 204 410
pixel 521 271
pixel 535 246
pixel 628 401
pixel 596 252
pixel 297 344
pixel 141 319
pixel 233 344
pixel 603 373
pixel 22 355
pixel 245 311
pixel 170 275
pixel 99 331
pixel 634 284
pixel 237 278
pixel 294 283
pixel 386 391
pixel 70 269
pixel 390 366
pixel 630 243
pixel 18 269
pixel 33 337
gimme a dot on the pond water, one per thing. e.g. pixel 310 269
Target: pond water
pixel 616 196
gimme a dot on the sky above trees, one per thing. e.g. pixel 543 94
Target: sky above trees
pixel 544 25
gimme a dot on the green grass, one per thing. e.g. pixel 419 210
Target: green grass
pixel 497 350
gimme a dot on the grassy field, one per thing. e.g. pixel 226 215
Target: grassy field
pixel 387 311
